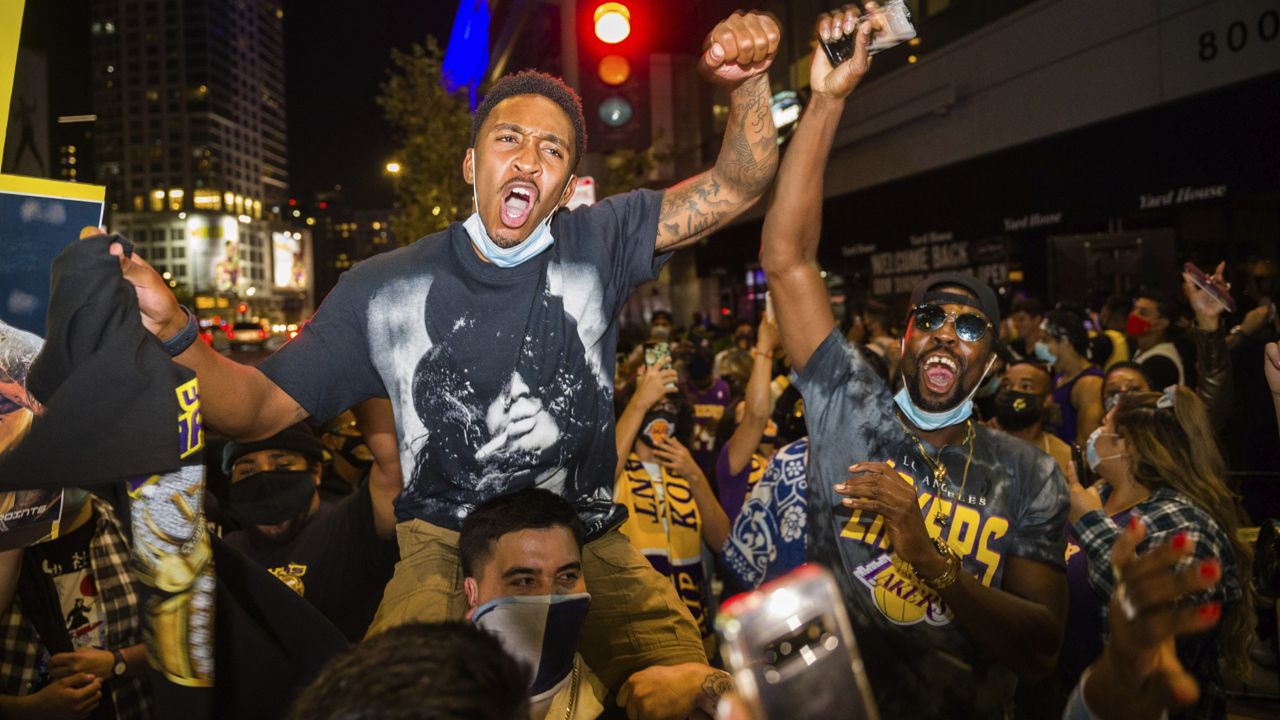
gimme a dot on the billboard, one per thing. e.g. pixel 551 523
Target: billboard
pixel 37 219
pixel 288 260
pixel 214 253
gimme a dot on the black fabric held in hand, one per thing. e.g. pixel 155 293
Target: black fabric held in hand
pixel 107 385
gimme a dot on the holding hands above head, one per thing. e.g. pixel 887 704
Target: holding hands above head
pixel 654 382
pixel 740 47
pixel 836 83
pixel 1207 307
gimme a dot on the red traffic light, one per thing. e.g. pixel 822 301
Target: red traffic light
pixel 242 308
pixel 612 22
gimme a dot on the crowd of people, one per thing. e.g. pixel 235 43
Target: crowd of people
pixel 498 511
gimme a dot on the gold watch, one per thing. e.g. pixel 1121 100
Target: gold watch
pixel 951 574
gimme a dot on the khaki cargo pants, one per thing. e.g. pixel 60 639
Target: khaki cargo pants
pixel 636 619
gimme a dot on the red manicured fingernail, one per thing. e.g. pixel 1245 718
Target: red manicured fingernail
pixel 1210 570
pixel 1180 540
pixel 1133 522
pixel 1210 611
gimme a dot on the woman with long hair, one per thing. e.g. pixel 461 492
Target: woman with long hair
pixel 1157 459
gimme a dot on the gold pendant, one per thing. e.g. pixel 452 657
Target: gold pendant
pixel 941 520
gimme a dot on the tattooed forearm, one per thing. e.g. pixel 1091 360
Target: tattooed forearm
pixel 749 157
pixel 715 685
pixel 692 209
pixel 747 162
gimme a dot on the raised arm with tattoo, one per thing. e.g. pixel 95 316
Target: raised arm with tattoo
pixel 737 54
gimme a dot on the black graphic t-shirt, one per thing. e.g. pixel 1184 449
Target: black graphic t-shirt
pixel 1013 504
pixel 66 560
pixel 501 378
pixel 337 561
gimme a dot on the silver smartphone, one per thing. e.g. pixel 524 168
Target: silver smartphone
pixel 791 651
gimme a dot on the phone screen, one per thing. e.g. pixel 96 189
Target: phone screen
pixel 1207 284
pixel 1083 476
pixel 655 351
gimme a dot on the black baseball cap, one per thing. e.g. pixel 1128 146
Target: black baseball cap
pixel 930 290
pixel 296 438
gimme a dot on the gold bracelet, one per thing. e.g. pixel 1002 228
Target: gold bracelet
pixel 951 574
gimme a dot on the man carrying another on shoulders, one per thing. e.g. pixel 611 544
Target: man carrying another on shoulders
pixel 946 537
pixel 495 341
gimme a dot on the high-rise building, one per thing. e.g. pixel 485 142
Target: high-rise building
pixel 190 140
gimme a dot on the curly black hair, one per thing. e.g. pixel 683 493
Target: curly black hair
pixel 532 82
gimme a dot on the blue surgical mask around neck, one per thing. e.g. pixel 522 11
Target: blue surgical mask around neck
pixel 538 241
pixel 930 421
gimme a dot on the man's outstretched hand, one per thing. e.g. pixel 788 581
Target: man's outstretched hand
pixel 740 47
pixel 161 314
pixel 1139 674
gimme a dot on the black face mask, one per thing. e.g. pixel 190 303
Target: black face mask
pixel 1017 410
pixel 272 497
pixel 658 423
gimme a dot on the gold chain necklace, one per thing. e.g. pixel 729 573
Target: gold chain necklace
pixel 573 694
pixel 940 472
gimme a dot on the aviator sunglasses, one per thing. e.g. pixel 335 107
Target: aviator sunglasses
pixel 970 327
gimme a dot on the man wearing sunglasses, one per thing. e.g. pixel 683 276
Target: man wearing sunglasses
pixel 946 536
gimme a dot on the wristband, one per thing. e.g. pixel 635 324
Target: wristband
pixel 178 344
pixel 761 353
pixel 948 576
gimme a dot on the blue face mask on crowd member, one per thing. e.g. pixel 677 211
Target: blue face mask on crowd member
pixel 538 241
pixel 1042 352
pixel 1091 449
pixel 539 631
pixel 930 421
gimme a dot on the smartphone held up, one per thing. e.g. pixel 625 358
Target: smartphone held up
pixel 791 651
pixel 892 23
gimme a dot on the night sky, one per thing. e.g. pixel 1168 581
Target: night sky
pixel 336 56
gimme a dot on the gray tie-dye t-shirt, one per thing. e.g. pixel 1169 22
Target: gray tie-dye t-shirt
pixel 501 379
pixel 1014 504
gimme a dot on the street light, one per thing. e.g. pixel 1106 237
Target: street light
pixel 393 167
